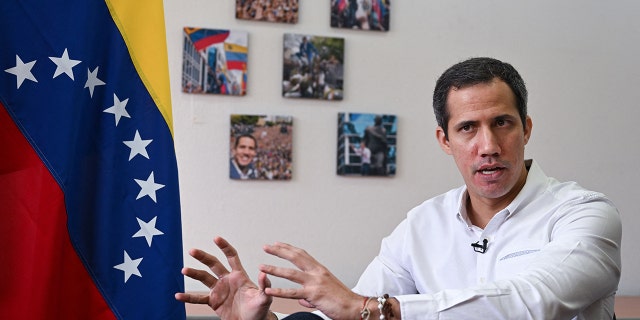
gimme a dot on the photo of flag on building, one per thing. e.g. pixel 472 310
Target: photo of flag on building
pixel 215 61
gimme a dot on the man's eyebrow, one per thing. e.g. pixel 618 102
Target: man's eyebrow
pixel 505 116
pixel 465 123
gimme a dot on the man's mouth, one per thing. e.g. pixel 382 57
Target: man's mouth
pixel 490 170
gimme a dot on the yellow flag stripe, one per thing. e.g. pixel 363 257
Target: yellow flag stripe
pixel 141 24
pixel 232 47
pixel 190 30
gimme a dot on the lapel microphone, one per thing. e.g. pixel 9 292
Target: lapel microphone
pixel 481 248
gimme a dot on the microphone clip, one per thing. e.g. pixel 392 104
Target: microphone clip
pixel 480 248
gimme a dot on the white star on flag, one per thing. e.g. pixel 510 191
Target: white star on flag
pixel 64 65
pixel 147 230
pixel 92 80
pixel 148 187
pixel 22 71
pixel 138 146
pixel 129 267
pixel 118 109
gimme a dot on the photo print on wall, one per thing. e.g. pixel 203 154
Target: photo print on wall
pixel 214 61
pixel 367 144
pixel 282 11
pixel 312 67
pixel 361 14
pixel 260 147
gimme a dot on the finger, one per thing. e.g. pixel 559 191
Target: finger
pixel 285 293
pixel 192 298
pixel 230 252
pixel 299 257
pixel 205 277
pixel 285 273
pixel 209 260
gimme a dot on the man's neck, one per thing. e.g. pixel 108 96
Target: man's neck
pixel 481 210
pixel 242 169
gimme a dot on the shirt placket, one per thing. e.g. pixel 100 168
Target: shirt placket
pixel 485 261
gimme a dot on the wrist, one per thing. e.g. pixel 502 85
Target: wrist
pixel 375 307
pixel 383 308
pixel 365 311
pixel 390 308
pixel 271 316
pixel 395 306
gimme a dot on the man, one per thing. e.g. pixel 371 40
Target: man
pixel 365 158
pixel 375 137
pixel 219 82
pixel 511 243
pixel 307 51
pixel 243 153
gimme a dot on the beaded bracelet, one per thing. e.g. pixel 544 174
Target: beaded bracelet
pixel 385 307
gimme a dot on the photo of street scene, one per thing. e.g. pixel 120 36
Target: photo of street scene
pixel 361 14
pixel 367 144
pixel 313 67
pixel 214 61
pixel 282 11
pixel 260 147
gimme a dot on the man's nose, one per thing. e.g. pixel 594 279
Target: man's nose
pixel 488 143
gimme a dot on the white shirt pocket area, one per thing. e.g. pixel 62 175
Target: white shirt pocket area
pixel 515 259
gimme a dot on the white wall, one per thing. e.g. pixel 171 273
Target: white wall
pixel 579 59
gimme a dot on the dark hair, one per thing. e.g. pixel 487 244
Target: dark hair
pixel 474 71
pixel 245 135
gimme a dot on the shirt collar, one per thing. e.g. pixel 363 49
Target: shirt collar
pixel 535 184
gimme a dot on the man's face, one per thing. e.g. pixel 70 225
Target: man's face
pixel 486 139
pixel 245 151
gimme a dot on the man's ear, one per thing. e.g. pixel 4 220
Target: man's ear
pixel 527 130
pixel 443 140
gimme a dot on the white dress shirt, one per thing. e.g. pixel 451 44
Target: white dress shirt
pixel 553 253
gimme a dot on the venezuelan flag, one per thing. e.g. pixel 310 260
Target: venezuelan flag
pixel 236 56
pixel 91 223
pixel 202 38
pixel 235 48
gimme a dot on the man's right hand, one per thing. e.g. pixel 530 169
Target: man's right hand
pixel 232 295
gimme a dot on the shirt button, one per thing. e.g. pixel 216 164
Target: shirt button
pixel 482 280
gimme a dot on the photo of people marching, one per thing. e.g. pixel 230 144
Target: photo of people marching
pixel 214 61
pixel 312 67
pixel 361 14
pixel 282 11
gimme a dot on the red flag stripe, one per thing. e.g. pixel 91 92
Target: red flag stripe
pixel 34 224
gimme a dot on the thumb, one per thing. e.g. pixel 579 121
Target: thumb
pixel 263 281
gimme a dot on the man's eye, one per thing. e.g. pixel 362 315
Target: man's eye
pixel 500 123
pixel 465 128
